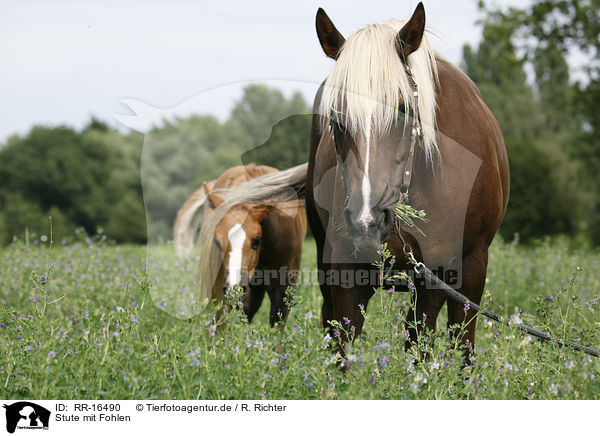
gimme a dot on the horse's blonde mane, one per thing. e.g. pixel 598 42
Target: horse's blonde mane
pixel 369 83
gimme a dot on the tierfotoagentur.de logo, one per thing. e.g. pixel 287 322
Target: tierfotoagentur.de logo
pixel 24 415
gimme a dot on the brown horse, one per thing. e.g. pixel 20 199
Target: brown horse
pixel 388 91
pixel 255 246
pixel 392 117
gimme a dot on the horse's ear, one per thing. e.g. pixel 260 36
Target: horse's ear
pixel 409 37
pixel 330 38
pixel 214 200
pixel 260 212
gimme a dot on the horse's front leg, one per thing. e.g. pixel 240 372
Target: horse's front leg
pixel 473 282
pixel 252 300
pixel 348 301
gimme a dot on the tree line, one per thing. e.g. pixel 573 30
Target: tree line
pixel 130 185
pixel 549 119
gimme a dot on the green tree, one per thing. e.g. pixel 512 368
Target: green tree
pixel 124 184
pixel 22 219
pixel 546 32
pixel 286 147
pixel 177 158
pixel 260 109
pixel 58 167
pixel 127 221
pixel 77 178
pixel 540 166
pixel 264 127
pixel 536 208
pixel 498 72
pixel 100 178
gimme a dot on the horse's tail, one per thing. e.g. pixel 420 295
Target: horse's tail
pixel 188 221
pixel 272 188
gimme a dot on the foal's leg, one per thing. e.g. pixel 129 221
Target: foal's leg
pixel 253 300
pixel 279 310
pixel 473 283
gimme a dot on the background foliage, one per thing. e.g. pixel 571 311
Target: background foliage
pixel 91 178
pixel 551 129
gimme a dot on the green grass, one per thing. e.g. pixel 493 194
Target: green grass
pixel 79 321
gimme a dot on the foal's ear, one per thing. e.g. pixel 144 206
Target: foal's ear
pixel 214 200
pixel 331 40
pixel 260 211
pixel 409 37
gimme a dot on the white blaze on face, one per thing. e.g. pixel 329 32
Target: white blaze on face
pixel 236 236
pixel 365 215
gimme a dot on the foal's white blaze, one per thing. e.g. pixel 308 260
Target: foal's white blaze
pixel 236 236
pixel 365 215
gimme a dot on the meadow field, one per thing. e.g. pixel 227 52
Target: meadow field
pixel 77 320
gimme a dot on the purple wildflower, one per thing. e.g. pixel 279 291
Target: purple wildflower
pixel 383 362
pixel 212 329
pixel 382 344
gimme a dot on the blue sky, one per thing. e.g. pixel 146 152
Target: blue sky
pixel 66 60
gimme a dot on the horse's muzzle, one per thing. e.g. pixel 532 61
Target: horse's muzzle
pixel 368 236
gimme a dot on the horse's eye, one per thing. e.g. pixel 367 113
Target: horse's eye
pixel 218 244
pixel 339 128
pixel 339 133
pixel 255 243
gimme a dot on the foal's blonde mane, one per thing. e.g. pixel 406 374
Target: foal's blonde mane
pixel 369 83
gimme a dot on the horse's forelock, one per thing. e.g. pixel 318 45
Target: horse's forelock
pixel 368 84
